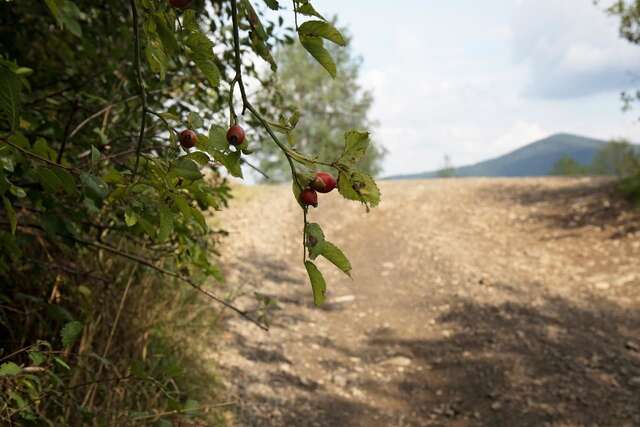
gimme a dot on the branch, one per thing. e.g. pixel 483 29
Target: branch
pixel 42 159
pixel 147 263
pixel 143 93
pixel 255 168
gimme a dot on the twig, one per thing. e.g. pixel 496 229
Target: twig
pixel 42 159
pixel 65 137
pixel 180 411
pixel 143 93
pixel 147 263
pixel 255 168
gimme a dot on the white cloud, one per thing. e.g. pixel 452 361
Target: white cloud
pixel 572 49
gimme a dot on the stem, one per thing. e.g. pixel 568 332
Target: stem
pixel 143 93
pixel 295 13
pixel 42 159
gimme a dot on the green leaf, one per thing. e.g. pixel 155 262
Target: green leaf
pixel 9 369
pixel 166 223
pixel 62 363
pixel 130 218
pixel 315 239
pixel 67 180
pixel 253 18
pixel 318 284
pixel 261 48
pixel 202 54
pixel 359 186
pixel 157 58
pixel 231 161
pixel 11 214
pixel 217 139
pixel 322 29
pixel 355 147
pixel 272 4
pixel 66 14
pixel 95 187
pixel 10 96
pixel 195 121
pixel 166 35
pixel 199 157
pixel 36 357
pixel 335 255
pixel 315 46
pixel 49 179
pixel 308 10
pixel 186 168
pixel 70 333
pixel 95 156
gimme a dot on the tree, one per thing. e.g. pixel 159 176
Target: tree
pixel 325 107
pixel 447 170
pixel 99 190
pixel 617 158
pixel 567 166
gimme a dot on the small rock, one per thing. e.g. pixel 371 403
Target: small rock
pixel 496 406
pixel 339 380
pixel 635 381
pixel 400 361
pixel 602 286
pixel 630 345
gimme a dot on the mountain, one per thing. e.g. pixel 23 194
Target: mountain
pixel 535 159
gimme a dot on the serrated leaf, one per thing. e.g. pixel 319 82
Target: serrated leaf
pixel 49 180
pixel 94 186
pixel 11 214
pixel 322 29
pixel 156 57
pixel 202 54
pixel 261 48
pixel 308 10
pixel 166 35
pixel 186 168
pixel 130 218
pixel 166 223
pixel 217 139
pixel 318 284
pixel 231 161
pixel 67 180
pixel 315 239
pixel 195 121
pixel 199 157
pixel 359 186
pixel 253 18
pixel 36 357
pixel 335 255
pixel 9 369
pixel 10 96
pixel 70 333
pixel 355 147
pixel 315 46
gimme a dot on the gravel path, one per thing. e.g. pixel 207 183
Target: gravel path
pixel 474 302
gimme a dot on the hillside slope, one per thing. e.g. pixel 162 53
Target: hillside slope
pixel 535 159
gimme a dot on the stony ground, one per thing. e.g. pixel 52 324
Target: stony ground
pixel 483 302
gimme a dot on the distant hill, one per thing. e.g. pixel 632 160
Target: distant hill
pixel 535 159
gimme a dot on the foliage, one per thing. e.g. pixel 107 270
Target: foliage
pixel 447 170
pixel 617 158
pixel 97 194
pixel 321 107
pixel 628 11
pixel 567 166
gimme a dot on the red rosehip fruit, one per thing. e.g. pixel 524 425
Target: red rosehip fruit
pixel 308 197
pixel 180 4
pixel 323 182
pixel 188 139
pixel 235 135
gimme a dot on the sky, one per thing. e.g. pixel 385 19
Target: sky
pixel 476 79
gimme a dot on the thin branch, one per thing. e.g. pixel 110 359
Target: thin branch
pixel 42 159
pixel 147 263
pixel 255 168
pixel 143 93
pixel 65 137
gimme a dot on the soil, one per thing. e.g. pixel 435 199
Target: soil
pixel 474 302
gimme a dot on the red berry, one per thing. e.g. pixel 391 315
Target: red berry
pixel 323 182
pixel 309 197
pixel 180 4
pixel 235 135
pixel 188 139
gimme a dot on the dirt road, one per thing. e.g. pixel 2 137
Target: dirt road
pixel 473 303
